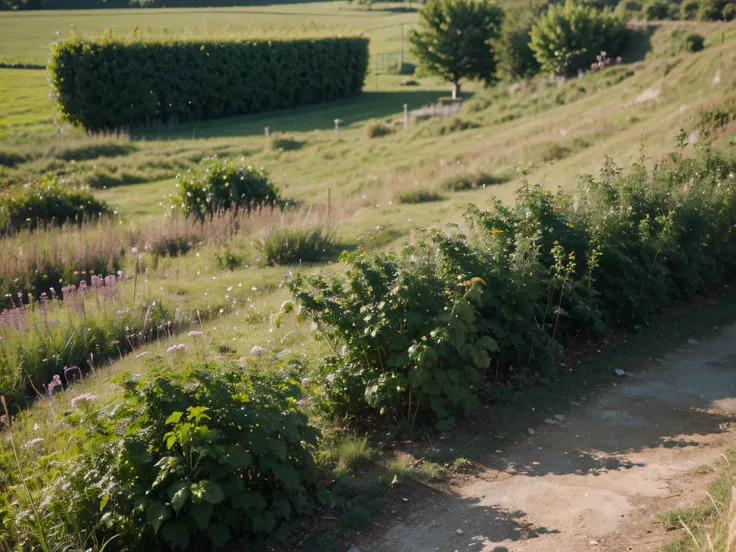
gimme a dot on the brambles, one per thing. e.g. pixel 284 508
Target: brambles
pixel 415 334
pixel 570 36
pixel 166 80
pixel 45 202
pixel 221 184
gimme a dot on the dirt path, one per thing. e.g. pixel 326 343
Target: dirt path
pixel 594 480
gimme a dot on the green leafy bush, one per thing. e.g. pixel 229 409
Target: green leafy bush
pixel 295 244
pixel 221 184
pixel 463 181
pixel 515 56
pixel 418 195
pixel 113 83
pixel 45 202
pixel 656 9
pixel 193 459
pixel 421 333
pixel 689 10
pixel 570 36
pixel 691 42
pixel 377 129
pixel 712 10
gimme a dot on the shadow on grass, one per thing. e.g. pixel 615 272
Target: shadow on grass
pixel 352 111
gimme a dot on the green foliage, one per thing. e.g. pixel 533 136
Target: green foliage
pixel 419 334
pixel 221 184
pixel 113 83
pixel 463 181
pixel 442 127
pixel 691 42
pixel 47 203
pixel 196 459
pixel 689 10
pixel 516 59
pixel 230 259
pixel 656 9
pixel 570 36
pixel 377 129
pixel 295 244
pixel 454 39
pixel 418 195
pixel 712 10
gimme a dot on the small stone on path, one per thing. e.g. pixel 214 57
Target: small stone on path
pixel 531 431
pixel 459 531
pixel 619 372
pixel 559 417
pixel 692 341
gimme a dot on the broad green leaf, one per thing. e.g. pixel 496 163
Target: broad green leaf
pixel 219 534
pixel 176 532
pixel 488 343
pixel 250 502
pixel 174 418
pixel 178 493
pixel 103 501
pixel 201 513
pixel 156 514
pixel 238 457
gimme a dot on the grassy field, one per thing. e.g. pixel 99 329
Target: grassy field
pixel 26 35
pixel 550 130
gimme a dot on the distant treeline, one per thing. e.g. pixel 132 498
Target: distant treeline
pixel 111 4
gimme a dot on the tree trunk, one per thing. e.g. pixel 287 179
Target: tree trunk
pixel 456 91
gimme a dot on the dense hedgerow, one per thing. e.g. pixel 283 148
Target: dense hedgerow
pixel 44 203
pixel 221 184
pixel 426 331
pixel 112 83
pixel 191 459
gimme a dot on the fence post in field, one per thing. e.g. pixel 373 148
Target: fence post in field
pixel 268 138
pixel 401 58
pixel 337 128
pixel 406 116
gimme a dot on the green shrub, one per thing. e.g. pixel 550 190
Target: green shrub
pixel 172 246
pixel 570 36
pixel 221 184
pixel 113 83
pixel 712 10
pixel 447 126
pixel 729 12
pixel 515 56
pixel 691 42
pixel 229 259
pixel 415 333
pixel 462 181
pixel 718 115
pixel 377 129
pixel 198 458
pixel 656 9
pixel 285 143
pixel 45 202
pixel 418 195
pixel 295 244
pixel 629 7
pixel 689 10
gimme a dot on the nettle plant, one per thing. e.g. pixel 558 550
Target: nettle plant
pixel 403 330
pixel 222 184
pixel 194 458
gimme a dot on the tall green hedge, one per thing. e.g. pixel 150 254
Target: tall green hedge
pixel 111 83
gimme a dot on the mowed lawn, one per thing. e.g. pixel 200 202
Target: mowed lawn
pixel 26 35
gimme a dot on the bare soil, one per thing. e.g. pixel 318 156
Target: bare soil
pixel 595 478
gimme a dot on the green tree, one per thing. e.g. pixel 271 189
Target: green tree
pixel 656 10
pixel 514 54
pixel 689 10
pixel 454 40
pixel 570 36
pixel 712 10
